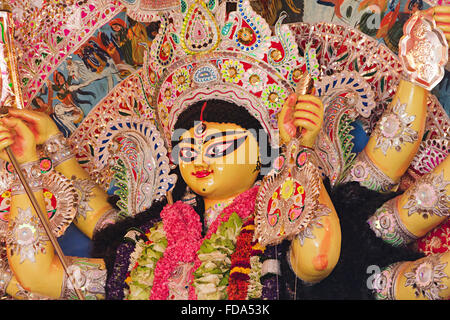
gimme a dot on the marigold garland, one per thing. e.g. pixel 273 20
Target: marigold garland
pixel 240 263
pixel 244 206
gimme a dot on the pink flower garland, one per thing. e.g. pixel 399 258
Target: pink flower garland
pixel 183 231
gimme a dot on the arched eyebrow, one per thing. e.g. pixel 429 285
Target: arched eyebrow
pixel 221 134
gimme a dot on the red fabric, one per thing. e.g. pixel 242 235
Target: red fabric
pixel 437 240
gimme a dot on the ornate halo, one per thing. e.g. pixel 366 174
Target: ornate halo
pixel 60 197
pixel 133 163
pixel 237 59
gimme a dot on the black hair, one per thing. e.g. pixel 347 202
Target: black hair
pixel 106 241
pixel 222 111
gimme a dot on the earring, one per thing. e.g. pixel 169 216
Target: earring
pixel 258 166
pixel 189 197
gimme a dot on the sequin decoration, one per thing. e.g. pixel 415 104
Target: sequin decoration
pixel 133 151
pixel 426 277
pixel 274 97
pixel 394 129
pixel 26 237
pixel 287 201
pixel 254 80
pixel 181 79
pixel 200 31
pixel 205 74
pixel 429 197
pixel 232 71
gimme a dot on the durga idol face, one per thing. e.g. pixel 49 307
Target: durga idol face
pixel 218 160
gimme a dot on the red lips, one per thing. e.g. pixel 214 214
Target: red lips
pixel 202 173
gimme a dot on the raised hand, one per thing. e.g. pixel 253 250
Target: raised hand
pixel 15 134
pixel 40 124
pixel 301 115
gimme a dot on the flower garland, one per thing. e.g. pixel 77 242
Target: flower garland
pixel 183 231
pixel 211 278
pixel 184 244
pixel 240 263
pixel 246 265
pixel 244 206
pixel 142 263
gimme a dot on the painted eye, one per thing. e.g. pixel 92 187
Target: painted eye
pixel 188 154
pixel 223 148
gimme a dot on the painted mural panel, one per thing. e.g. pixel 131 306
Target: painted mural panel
pixel 111 54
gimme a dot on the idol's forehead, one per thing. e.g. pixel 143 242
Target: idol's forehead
pixel 210 129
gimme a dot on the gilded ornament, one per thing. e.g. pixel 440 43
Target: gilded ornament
pixel 428 196
pixel 254 79
pixel 423 51
pixel 287 201
pixel 245 35
pixel 273 97
pixel 426 277
pixel 276 55
pixel 297 74
pixel 394 129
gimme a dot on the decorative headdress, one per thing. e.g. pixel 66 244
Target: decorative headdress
pixel 203 53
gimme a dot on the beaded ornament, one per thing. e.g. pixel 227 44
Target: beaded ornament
pixel 200 55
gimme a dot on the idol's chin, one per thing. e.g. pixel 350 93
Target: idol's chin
pixel 203 188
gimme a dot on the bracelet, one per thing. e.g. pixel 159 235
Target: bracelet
pixel 387 225
pixel 384 283
pixel 33 174
pixel 425 278
pixel 369 175
pixel 57 148
pixel 89 277
pixel 270 266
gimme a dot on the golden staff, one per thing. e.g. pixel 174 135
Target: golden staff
pixel 15 100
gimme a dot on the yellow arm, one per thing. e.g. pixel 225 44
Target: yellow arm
pixel 425 279
pixel 398 134
pixel 96 205
pixel 32 257
pixel 93 209
pixel 313 259
pixel 420 209
pixel 394 142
